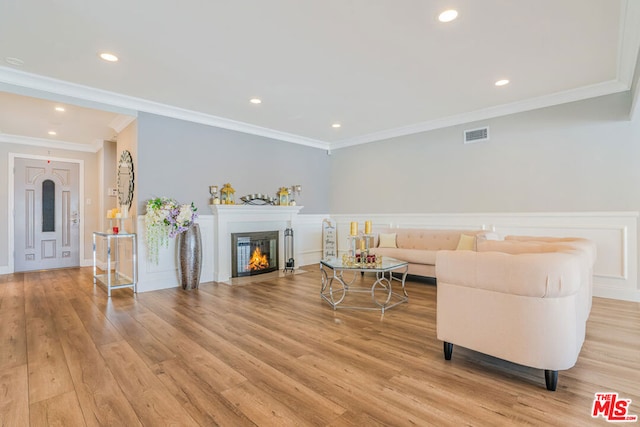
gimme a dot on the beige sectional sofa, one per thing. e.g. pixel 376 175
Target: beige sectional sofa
pixel 525 300
pixel 418 246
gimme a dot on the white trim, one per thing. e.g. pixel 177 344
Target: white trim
pixel 11 204
pixel 21 83
pixel 615 234
pixel 97 144
pixel 628 52
pixel 99 96
pixel 619 294
pixel 68 89
pixel 600 89
pixel 634 114
pixel 629 41
pixel 120 122
pixel 49 143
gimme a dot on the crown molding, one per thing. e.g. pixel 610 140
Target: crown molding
pixel 629 41
pixel 583 93
pixel 120 122
pixel 132 105
pixel 219 122
pixel 97 144
pixel 36 86
pixel 634 114
pixel 50 143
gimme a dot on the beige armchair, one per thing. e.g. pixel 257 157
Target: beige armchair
pixel 525 300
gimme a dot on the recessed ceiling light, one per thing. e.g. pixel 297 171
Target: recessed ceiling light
pixel 52 133
pixel 110 57
pixel 255 101
pixel 14 61
pixel 336 125
pixel 502 82
pixel 448 15
pixel 61 109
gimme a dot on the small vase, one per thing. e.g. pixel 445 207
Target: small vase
pixel 190 257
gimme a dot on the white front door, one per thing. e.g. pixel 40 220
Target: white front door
pixel 46 214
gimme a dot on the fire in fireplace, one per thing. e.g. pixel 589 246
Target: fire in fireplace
pixel 254 253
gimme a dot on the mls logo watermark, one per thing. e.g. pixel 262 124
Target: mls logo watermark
pixel 612 408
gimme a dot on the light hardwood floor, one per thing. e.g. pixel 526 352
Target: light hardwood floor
pixel 271 353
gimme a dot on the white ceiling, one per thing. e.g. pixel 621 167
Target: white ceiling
pixel 381 68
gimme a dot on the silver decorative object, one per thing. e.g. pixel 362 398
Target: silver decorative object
pixel 125 179
pixel 294 191
pixel 190 257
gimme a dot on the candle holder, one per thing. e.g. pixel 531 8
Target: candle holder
pixel 294 191
pixel 213 190
pixel 228 195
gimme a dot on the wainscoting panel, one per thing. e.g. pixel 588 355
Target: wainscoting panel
pixel 164 275
pixel 615 234
pixel 308 239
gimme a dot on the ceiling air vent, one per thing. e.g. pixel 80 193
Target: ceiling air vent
pixel 476 135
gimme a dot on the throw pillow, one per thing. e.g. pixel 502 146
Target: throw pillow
pixel 466 243
pixel 387 240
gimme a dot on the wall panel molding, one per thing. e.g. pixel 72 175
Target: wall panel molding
pixel 615 234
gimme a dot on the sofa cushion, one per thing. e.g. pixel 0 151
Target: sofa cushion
pixel 428 239
pixel 413 256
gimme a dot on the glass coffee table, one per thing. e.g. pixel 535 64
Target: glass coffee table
pixel 335 288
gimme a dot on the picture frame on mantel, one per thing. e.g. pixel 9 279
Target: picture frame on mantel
pixel 329 239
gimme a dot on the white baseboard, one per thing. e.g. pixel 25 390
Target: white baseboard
pixel 620 294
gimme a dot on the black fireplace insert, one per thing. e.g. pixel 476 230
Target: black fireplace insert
pixel 254 253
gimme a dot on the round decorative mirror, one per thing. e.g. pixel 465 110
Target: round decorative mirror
pixel 125 179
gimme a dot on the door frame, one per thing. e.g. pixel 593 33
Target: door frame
pixel 11 205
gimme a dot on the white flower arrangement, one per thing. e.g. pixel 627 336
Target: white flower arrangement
pixel 165 219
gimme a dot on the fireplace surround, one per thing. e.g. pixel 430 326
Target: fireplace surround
pixel 230 219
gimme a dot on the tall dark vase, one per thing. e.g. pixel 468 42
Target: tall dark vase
pixel 190 257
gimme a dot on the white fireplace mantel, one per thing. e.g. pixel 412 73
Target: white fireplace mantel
pixel 244 218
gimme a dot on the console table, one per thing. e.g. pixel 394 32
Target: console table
pixel 112 277
pixel 386 299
